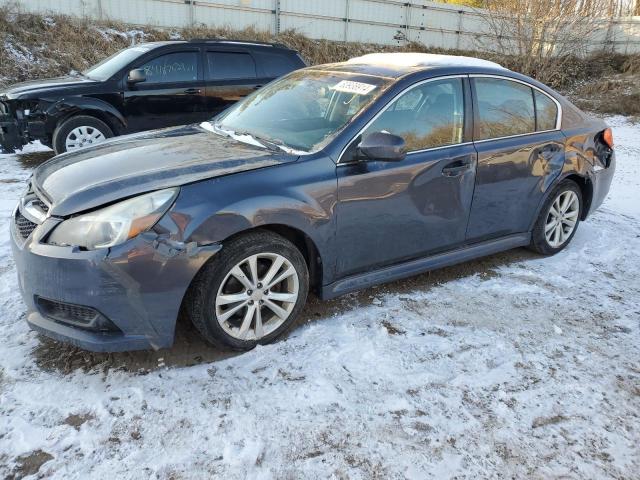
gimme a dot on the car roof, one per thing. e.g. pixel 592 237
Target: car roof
pixel 214 41
pixel 395 65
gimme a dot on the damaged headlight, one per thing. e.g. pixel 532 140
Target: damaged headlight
pixel 114 224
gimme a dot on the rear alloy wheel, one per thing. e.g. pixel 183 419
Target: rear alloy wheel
pixel 558 220
pixel 79 132
pixel 562 218
pixel 251 292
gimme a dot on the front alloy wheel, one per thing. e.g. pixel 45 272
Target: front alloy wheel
pixel 257 296
pixel 250 292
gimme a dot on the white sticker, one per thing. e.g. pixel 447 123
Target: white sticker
pixel 358 88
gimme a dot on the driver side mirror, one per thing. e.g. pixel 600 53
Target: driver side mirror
pixel 383 146
pixel 136 76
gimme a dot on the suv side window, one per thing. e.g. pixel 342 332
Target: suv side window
pixel 546 112
pixel 276 64
pixel 172 67
pixel 427 116
pixel 230 65
pixel 505 108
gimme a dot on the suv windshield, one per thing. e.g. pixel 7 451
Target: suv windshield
pixel 111 65
pixel 303 110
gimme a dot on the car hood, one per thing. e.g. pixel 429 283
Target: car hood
pixel 37 86
pixel 135 164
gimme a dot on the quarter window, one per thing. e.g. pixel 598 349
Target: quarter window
pixel 504 108
pixel 276 64
pixel 230 65
pixel 172 67
pixel 546 112
pixel 427 116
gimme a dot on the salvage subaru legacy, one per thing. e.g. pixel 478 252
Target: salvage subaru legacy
pixel 333 178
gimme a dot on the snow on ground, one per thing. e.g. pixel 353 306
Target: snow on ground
pixel 515 366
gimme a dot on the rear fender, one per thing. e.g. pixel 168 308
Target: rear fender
pixel 575 164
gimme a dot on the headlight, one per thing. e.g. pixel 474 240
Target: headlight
pixel 114 224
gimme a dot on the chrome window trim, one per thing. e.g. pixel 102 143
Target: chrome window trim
pixel 503 77
pixel 388 104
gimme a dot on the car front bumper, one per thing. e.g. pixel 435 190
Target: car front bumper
pixel 136 289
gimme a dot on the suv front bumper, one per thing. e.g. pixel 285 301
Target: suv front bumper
pixel 137 288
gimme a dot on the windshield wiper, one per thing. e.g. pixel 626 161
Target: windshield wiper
pixel 272 144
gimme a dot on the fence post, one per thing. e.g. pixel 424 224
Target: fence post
pixel 346 20
pixel 460 15
pixel 276 12
pixel 407 19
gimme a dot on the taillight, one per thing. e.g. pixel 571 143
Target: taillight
pixel 607 137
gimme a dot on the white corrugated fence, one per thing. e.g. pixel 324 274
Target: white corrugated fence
pixel 388 22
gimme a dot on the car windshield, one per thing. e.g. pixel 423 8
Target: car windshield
pixel 111 65
pixel 302 111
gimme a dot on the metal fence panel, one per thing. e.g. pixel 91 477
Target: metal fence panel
pixel 387 22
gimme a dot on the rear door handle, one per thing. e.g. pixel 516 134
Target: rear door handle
pixel 457 167
pixel 257 87
pixel 193 91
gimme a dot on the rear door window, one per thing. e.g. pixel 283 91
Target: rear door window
pixel 172 67
pixel 230 66
pixel 427 116
pixel 505 108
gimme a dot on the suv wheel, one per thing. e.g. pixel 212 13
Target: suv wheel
pixel 79 131
pixel 250 293
pixel 558 220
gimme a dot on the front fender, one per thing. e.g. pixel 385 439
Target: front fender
pixel 69 106
pixel 299 195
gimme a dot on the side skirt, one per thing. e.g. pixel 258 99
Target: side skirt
pixel 414 267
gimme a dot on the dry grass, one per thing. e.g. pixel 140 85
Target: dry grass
pixel 36 46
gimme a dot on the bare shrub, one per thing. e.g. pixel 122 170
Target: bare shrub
pixel 544 36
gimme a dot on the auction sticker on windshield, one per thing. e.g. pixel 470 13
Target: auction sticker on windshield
pixel 350 86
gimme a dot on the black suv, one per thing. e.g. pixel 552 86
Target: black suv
pixel 147 86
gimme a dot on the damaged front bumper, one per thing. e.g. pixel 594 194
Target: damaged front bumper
pixel 124 298
pixel 11 137
pixel 19 126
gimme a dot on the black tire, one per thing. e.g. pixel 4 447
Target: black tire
pixel 539 242
pixel 199 303
pixel 64 128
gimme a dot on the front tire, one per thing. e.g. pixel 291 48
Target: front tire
pixel 251 292
pixel 559 219
pixel 78 132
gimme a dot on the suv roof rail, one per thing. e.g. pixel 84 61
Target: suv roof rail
pixel 238 42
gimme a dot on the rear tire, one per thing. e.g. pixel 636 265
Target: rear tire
pixel 233 301
pixel 80 130
pixel 558 220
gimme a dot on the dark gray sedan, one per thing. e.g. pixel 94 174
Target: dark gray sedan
pixel 333 178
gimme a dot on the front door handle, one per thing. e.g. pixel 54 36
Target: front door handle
pixel 193 91
pixel 257 87
pixel 457 167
